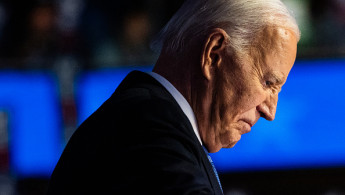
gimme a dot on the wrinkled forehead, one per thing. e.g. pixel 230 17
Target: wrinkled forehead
pixel 272 39
pixel 274 49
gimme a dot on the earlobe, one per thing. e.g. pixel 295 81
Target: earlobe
pixel 213 52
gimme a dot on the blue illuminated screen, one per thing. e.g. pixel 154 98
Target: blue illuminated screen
pixel 30 99
pixel 307 131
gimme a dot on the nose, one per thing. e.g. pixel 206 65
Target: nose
pixel 267 108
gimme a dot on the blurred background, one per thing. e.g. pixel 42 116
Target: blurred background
pixel 59 60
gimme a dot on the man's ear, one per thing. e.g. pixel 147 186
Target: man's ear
pixel 213 52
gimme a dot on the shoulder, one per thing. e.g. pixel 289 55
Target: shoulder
pixel 141 97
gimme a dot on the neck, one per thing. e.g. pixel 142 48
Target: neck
pixel 177 72
pixel 186 76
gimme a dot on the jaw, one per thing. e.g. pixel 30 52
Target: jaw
pixel 215 135
pixel 214 140
pixel 209 139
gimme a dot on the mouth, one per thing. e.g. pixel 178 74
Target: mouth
pixel 249 125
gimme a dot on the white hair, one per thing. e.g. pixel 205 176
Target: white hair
pixel 241 19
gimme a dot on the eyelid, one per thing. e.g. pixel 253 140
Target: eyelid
pixel 273 80
pixel 274 86
pixel 269 83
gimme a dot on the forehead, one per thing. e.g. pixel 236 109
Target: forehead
pixel 274 51
pixel 273 39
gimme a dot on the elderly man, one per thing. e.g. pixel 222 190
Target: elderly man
pixel 221 67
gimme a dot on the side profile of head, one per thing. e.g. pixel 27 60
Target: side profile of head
pixel 233 57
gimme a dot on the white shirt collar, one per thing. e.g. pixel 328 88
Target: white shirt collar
pixel 182 102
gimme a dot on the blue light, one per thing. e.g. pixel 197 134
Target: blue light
pixel 30 99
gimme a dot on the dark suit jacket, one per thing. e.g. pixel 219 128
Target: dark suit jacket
pixel 138 142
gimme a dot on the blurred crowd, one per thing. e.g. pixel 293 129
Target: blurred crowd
pixel 86 33
pixel 94 34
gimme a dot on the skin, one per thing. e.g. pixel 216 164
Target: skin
pixel 229 93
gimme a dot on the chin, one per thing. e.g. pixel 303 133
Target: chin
pixel 230 140
pixel 231 145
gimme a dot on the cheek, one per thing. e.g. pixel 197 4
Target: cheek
pixel 253 97
pixel 235 97
pixel 233 104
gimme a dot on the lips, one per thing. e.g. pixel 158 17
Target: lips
pixel 249 125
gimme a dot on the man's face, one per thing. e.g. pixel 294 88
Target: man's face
pixel 247 89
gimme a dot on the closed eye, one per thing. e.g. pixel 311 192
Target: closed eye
pixel 272 80
pixel 272 86
pixel 268 83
